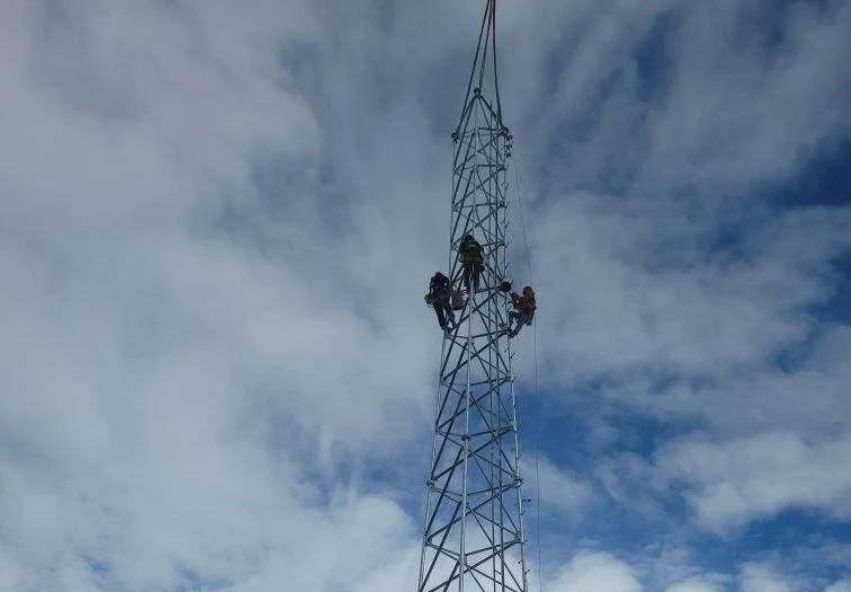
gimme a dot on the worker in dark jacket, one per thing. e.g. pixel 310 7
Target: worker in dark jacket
pixel 438 298
pixel 524 310
pixel 471 257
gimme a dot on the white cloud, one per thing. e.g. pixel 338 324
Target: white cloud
pixel 560 487
pixel 775 398
pixel 174 400
pixel 693 586
pixel 733 482
pixel 759 577
pixel 633 281
pixel 614 312
pixel 714 128
pixel 597 572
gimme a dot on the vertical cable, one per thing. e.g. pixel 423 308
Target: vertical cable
pixel 537 392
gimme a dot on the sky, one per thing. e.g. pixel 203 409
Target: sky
pixel 217 222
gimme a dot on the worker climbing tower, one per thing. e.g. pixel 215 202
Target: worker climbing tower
pixel 473 533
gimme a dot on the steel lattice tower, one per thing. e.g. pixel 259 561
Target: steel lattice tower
pixel 473 533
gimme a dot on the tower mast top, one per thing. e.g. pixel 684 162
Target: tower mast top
pixel 484 70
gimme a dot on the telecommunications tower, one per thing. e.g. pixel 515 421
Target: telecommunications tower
pixel 473 537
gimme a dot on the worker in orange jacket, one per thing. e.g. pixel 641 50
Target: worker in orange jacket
pixel 524 310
